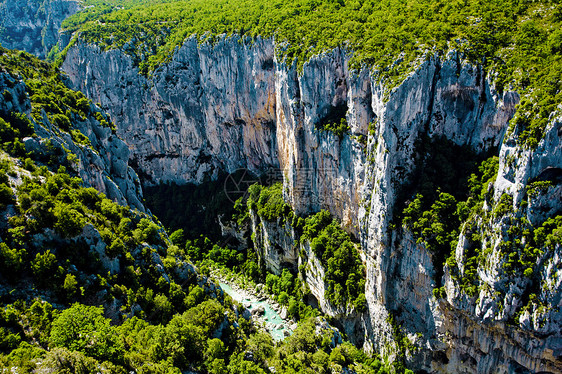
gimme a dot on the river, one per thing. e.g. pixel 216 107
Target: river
pixel 275 325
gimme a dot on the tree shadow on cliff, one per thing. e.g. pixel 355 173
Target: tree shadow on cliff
pixel 442 170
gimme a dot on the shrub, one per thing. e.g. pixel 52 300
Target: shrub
pixel 69 221
pixel 11 260
pixel 44 265
pixel 84 329
pixel 6 196
pixel 70 286
pixel 61 121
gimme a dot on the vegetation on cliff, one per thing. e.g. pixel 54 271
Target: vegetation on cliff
pixel 330 244
pixel 518 42
pixel 442 214
pixel 88 285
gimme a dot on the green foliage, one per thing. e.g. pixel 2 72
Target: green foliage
pixel 376 32
pixel 69 221
pixel 340 128
pixel 44 266
pixel 439 293
pixel 504 206
pixel 70 286
pixel 147 231
pixel 262 346
pixel 11 260
pixel 289 291
pixel 6 196
pixel 525 243
pixel 65 361
pixel 62 121
pixel 84 329
pixel 79 138
pixel 268 202
pixel 344 272
pixel 22 357
pixel 537 187
pixel 305 338
pixel 441 166
pixel 66 268
pixel 439 225
pixel 178 238
pixel 405 347
pixel 81 338
pixel 310 350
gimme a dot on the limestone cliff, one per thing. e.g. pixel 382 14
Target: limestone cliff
pixel 34 26
pixel 100 159
pixel 234 104
pixel 212 108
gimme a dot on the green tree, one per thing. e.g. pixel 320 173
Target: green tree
pixel 178 238
pixel 215 350
pixel 11 259
pixel 70 286
pixel 44 265
pixel 83 328
pixel 69 221
pixel 6 196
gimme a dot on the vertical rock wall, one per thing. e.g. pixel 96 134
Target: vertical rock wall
pixel 233 104
pixel 34 26
pixel 211 109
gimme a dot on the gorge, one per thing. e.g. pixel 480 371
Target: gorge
pixel 472 286
pixel 233 105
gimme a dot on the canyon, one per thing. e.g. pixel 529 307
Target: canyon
pixel 235 104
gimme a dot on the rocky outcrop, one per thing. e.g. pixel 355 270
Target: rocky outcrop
pixel 211 109
pixel 34 26
pixel 100 159
pixel 276 241
pixel 235 104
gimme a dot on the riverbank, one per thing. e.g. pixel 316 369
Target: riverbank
pixel 264 312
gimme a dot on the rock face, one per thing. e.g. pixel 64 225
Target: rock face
pixel 102 164
pixel 234 104
pixel 33 25
pixel 276 241
pixel 211 109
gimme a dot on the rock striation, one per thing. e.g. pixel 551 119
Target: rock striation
pixel 34 26
pixel 101 160
pixel 211 109
pixel 236 104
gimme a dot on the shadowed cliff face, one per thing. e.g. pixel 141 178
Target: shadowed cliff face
pixel 33 26
pixel 234 105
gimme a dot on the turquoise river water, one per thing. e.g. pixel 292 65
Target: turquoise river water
pixel 270 315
